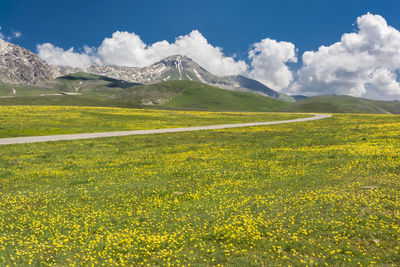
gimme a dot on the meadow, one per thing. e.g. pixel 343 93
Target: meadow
pixel 322 192
pixel 48 120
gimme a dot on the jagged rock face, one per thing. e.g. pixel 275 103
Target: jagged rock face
pixel 171 68
pixel 20 66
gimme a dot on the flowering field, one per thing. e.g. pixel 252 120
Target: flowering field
pixel 325 192
pixel 48 120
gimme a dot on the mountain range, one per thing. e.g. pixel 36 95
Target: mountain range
pixel 180 68
pixel 174 82
pixel 20 66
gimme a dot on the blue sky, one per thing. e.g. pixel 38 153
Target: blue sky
pixel 233 25
pixel 266 40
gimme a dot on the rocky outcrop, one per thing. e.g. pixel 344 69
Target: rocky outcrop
pixel 20 66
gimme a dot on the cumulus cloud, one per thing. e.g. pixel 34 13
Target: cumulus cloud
pixel 268 57
pixel 127 49
pixel 364 63
pixel 268 63
pixel 60 57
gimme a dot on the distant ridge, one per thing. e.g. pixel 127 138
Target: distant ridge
pixel 85 89
pixel 343 104
pixel 179 68
pixel 299 97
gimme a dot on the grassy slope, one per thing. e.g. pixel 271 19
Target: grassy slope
pixel 23 90
pixel 65 101
pixel 103 91
pixel 200 96
pixel 343 104
pixel 321 192
pixel 33 120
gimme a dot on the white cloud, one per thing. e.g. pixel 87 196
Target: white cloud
pixel 268 57
pixel 58 56
pixel 195 46
pixel 1 35
pixel 14 35
pixel 268 61
pixel 127 49
pixel 364 63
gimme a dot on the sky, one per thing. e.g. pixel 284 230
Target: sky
pixel 305 47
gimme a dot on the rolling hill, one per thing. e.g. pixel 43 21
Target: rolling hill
pixel 343 104
pixel 94 90
pixel 199 96
pixel 85 89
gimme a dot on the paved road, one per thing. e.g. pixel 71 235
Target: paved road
pixel 47 138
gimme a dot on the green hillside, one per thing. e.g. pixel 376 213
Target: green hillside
pixel 195 95
pixel 82 89
pixel 8 90
pixel 343 104
pixel 65 101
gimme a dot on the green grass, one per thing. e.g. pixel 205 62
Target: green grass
pixel 196 95
pixel 324 192
pixel 48 120
pixel 97 90
pixel 101 91
pixel 343 104
pixel 23 90
pixel 66 101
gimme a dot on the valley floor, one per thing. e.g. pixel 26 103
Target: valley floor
pixel 319 192
pixel 50 120
pixel 63 137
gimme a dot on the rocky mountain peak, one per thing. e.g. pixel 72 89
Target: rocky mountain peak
pixel 179 61
pixel 172 60
pixel 5 47
pixel 20 66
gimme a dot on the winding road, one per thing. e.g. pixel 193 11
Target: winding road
pixel 50 138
